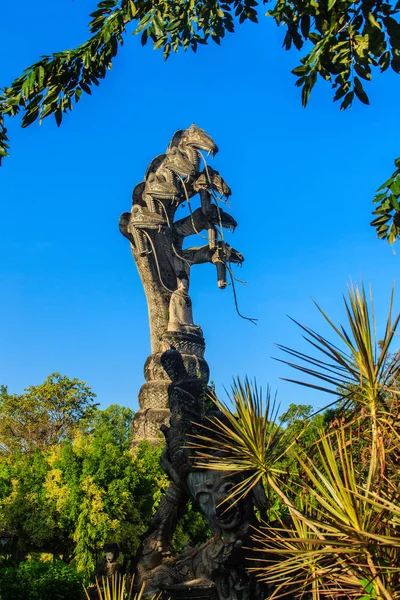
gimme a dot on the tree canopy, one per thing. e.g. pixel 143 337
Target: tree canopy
pixel 69 480
pixel 341 42
pixel 44 414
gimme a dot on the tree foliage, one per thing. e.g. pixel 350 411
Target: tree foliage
pixel 342 42
pixel 73 496
pixel 44 414
pixel 69 481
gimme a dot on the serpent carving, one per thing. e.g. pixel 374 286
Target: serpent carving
pixel 174 397
pixel 157 240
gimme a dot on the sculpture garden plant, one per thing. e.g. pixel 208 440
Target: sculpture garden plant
pixel 114 588
pixel 340 536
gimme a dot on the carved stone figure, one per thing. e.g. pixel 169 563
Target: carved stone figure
pixel 110 565
pixel 174 398
pixel 217 568
pixel 157 243
pixel 180 309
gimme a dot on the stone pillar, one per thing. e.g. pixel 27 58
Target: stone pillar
pixel 153 395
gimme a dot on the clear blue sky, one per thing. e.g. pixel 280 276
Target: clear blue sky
pixel 302 181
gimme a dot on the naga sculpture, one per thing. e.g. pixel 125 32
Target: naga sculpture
pixel 175 395
pixel 164 264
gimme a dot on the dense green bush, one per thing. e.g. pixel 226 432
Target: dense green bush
pixel 41 581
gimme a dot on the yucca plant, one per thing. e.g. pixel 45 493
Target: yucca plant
pixel 353 547
pixel 246 439
pixel 114 588
pixel 343 536
pixel 364 371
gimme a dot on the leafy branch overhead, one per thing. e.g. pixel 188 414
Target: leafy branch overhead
pixel 387 215
pixel 344 40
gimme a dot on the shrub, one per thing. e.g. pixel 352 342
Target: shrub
pixel 41 581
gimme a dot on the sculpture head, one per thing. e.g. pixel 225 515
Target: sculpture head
pixel 174 161
pixel 179 163
pixel 225 253
pixel 111 553
pixel 210 178
pixel 198 138
pixel 183 282
pixel 137 194
pixel 142 218
pixel 210 489
pixel 160 188
pixel 218 217
pixel 190 141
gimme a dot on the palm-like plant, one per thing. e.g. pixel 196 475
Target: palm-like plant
pixel 353 548
pixel 364 370
pixel 343 537
pixel 114 588
pixel 247 440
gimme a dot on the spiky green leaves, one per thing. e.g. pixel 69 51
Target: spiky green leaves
pixel 343 540
pixel 247 440
pixel 342 493
pixel 362 368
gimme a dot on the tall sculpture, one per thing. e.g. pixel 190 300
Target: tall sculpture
pixel 164 265
pixel 175 395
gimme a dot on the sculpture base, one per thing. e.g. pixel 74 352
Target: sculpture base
pixel 184 342
pixel 146 425
pixel 153 395
pixel 191 590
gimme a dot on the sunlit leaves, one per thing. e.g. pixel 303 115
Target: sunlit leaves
pixel 345 42
pixel 387 213
pixel 44 414
pixel 343 541
pixel 248 440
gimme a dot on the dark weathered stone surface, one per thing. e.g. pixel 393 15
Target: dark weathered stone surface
pixel 164 264
pixel 218 568
pixel 175 395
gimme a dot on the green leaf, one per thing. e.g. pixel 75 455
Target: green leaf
pixel 40 74
pixel 30 117
pixel 395 63
pixel 348 99
pixel 363 71
pixel 381 220
pixel 58 116
pixel 86 88
pixel 159 43
pixel 394 203
pixel 301 70
pixel 373 21
pixel 395 186
pixel 144 22
pixel 359 90
pixel 305 94
pixel 144 37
